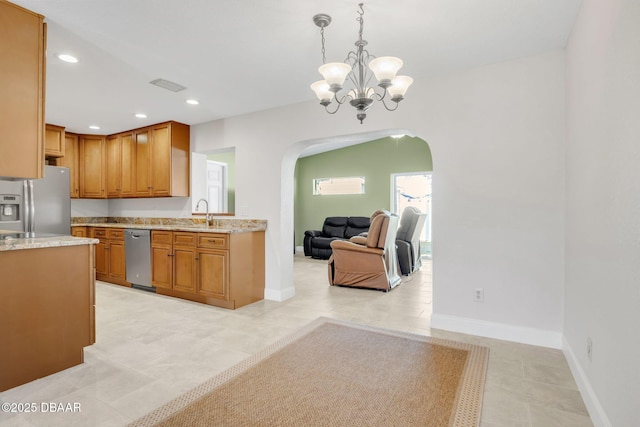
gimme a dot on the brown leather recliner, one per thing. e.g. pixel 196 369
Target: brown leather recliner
pixel 368 261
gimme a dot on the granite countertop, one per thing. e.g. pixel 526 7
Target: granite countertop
pixel 224 225
pixel 12 244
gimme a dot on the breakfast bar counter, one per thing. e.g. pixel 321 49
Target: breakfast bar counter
pixel 47 305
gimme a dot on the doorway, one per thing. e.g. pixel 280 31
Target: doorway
pixel 414 189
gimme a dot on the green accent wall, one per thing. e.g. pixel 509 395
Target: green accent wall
pixel 375 160
pixel 228 157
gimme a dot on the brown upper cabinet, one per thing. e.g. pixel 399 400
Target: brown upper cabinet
pixel 147 162
pixel 54 143
pixel 92 161
pixel 121 167
pixel 162 160
pixel 22 92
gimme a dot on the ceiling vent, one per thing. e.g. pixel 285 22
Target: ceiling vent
pixel 166 84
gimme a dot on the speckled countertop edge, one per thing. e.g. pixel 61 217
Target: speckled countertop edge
pixel 220 225
pixel 45 242
pixel 197 229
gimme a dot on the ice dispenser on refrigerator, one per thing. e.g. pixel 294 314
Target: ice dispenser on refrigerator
pixel 10 208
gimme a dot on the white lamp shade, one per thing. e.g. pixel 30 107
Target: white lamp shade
pixel 321 88
pixel 385 67
pixel 335 73
pixel 399 86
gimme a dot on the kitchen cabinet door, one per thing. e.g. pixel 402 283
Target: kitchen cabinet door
pixel 162 259
pixel 117 261
pixel 184 269
pixel 113 166
pixel 120 166
pixel 22 92
pixel 160 157
pixel 92 167
pixel 128 165
pixel 54 143
pixel 102 259
pixel 213 274
pixel 143 180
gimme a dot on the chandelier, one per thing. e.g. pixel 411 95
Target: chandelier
pixel 357 67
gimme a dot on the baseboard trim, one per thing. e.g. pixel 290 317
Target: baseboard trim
pixel 501 331
pixel 279 294
pixel 596 411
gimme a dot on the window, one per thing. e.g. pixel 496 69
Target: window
pixel 349 185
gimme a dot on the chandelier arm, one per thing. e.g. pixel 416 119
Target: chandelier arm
pixel 382 98
pixel 326 108
pixel 341 100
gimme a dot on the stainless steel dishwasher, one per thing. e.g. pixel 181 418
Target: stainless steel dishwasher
pixel 137 246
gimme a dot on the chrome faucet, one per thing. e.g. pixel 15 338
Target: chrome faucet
pixel 207 219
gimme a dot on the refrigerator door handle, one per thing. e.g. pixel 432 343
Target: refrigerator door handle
pixel 26 206
pixel 31 214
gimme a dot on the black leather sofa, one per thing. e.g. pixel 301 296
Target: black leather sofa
pixel 317 243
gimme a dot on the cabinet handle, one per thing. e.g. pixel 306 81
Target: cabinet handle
pixel 170 255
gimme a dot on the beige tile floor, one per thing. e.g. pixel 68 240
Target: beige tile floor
pixel 151 349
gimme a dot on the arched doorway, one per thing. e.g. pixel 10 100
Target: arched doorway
pixel 314 147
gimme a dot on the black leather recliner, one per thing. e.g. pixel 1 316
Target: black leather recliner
pixel 317 243
pixel 408 239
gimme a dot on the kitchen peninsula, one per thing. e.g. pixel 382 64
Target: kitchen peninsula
pixel 47 305
pixel 220 264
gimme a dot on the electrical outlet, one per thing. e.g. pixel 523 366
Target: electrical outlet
pixel 478 294
pixel 589 348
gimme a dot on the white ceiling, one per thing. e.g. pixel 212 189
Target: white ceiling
pixel 240 56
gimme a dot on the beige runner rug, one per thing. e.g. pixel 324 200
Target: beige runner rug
pixel 335 373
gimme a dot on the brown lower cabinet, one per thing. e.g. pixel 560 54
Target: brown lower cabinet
pixel 225 270
pixel 110 257
pixel 47 309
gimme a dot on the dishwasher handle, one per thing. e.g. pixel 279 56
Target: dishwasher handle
pixel 137 234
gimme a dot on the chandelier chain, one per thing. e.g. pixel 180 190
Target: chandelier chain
pixel 360 19
pixel 324 57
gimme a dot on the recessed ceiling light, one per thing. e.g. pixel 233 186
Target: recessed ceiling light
pixel 67 58
pixel 141 115
pixel 193 101
pixel 94 127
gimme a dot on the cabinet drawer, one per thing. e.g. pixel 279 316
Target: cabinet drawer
pixel 184 239
pixel 211 240
pixel 162 237
pixel 99 233
pixel 79 231
pixel 116 234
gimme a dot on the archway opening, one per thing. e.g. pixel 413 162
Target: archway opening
pixel 291 185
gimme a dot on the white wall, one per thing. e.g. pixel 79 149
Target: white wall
pixel 160 207
pixel 497 138
pixel 157 207
pixel 602 298
pixel 89 207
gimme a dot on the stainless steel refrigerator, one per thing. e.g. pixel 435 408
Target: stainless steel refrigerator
pixel 38 206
